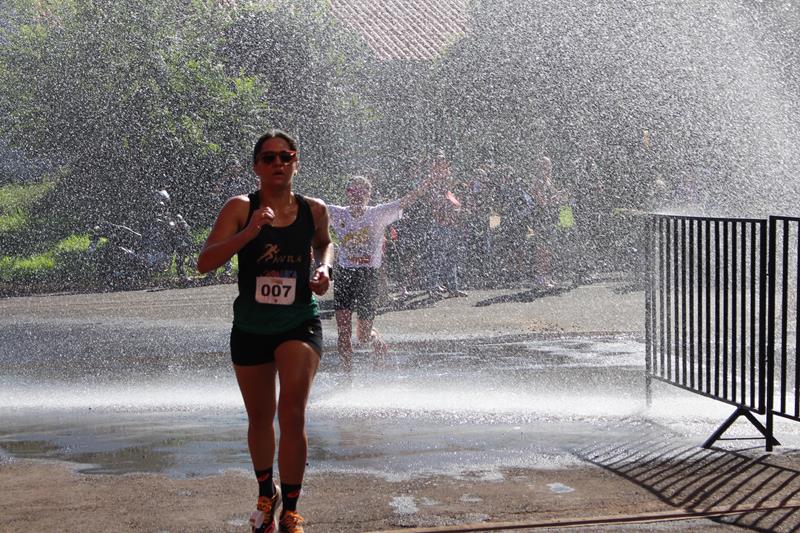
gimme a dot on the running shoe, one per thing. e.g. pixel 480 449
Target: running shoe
pixel 262 520
pixel 291 522
pixel 380 348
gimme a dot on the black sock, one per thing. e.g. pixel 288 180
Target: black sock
pixel 289 496
pixel 265 486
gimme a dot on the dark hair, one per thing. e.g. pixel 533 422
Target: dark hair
pixel 271 134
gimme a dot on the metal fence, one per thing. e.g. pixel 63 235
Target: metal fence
pixel 707 304
pixel 784 279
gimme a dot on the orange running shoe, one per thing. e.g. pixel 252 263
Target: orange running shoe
pixel 291 522
pixel 262 520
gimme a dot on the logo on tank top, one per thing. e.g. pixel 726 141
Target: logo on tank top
pixel 272 254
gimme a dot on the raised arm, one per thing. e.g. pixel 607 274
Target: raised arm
pixel 231 232
pixel 417 193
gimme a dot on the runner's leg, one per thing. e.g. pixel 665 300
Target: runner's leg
pixel 367 333
pixel 297 364
pixel 366 307
pixel 257 384
pixel 344 327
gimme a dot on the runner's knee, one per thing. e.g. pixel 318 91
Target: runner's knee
pixel 291 419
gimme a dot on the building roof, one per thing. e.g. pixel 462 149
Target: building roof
pixel 405 29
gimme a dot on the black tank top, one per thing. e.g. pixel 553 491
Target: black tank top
pixel 274 271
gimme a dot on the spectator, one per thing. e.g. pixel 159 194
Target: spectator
pixel 547 202
pixel 592 212
pixel 516 210
pixel 477 208
pixel 410 244
pixel 445 232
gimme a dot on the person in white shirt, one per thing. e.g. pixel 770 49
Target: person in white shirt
pixel 360 230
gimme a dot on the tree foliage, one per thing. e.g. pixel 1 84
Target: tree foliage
pixel 707 81
pixel 313 70
pixel 128 97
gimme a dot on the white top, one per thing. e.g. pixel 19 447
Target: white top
pixel 361 238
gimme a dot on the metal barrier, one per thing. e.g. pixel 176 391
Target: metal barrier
pixel 783 398
pixel 706 313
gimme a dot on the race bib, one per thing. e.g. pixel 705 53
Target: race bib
pixel 275 290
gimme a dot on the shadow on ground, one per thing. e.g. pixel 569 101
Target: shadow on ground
pixel 765 487
pixel 528 295
pixel 422 299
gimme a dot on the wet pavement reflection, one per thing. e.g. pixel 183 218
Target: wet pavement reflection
pixel 448 408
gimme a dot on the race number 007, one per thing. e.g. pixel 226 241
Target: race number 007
pixel 275 290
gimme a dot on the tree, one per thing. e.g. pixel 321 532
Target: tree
pixel 126 98
pixel 706 81
pixel 313 69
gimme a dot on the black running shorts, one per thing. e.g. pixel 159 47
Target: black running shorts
pixel 356 289
pixel 249 349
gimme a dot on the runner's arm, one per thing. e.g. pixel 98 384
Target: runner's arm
pixel 322 247
pixel 226 237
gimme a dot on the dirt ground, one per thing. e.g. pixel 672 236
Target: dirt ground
pixel 49 496
pixel 717 491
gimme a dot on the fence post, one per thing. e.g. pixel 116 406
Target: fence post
pixel 768 359
pixel 649 229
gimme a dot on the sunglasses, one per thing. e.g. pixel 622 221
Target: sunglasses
pixel 286 156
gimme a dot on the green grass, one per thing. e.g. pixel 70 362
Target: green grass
pixel 199 236
pixel 74 244
pixel 34 262
pixel 16 268
pixel 22 268
pixel 66 258
pixel 69 257
pixel 12 221
pixel 15 200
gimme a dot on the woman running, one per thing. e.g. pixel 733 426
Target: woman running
pixel 276 326
pixel 360 229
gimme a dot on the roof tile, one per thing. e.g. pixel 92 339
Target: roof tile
pixel 404 29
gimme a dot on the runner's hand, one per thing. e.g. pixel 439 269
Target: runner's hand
pixel 261 217
pixel 321 280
